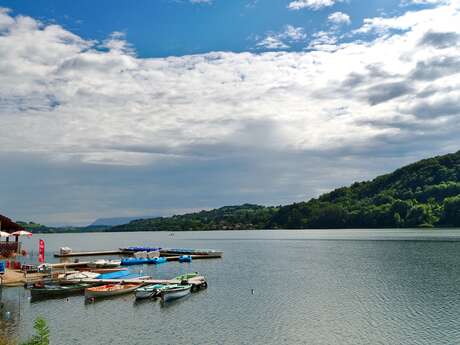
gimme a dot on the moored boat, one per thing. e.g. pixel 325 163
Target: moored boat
pixel 101 270
pixel 142 261
pixel 110 290
pixel 140 249
pixel 185 258
pixel 79 275
pixel 156 261
pixel 54 291
pixel 186 276
pixel 172 292
pixel 149 291
pixel 187 251
pixel 134 261
pixel 102 263
pixel 114 275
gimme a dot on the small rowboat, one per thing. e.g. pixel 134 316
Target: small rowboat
pixel 110 290
pixel 55 291
pixel 149 291
pixel 186 276
pixel 172 292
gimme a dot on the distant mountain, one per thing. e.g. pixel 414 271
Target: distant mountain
pixel 423 194
pixel 115 221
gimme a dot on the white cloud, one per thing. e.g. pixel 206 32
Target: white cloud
pixel 201 1
pixel 186 130
pixel 324 41
pixel 294 33
pixel 339 18
pixel 75 102
pixel 283 39
pixel 425 2
pixel 272 42
pixel 311 4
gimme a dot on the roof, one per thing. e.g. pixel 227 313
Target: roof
pixel 8 225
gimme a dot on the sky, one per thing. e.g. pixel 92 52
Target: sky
pixel 120 109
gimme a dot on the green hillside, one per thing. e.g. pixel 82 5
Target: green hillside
pixel 225 218
pixel 423 194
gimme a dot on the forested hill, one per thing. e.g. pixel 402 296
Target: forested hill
pixel 423 194
pixel 225 218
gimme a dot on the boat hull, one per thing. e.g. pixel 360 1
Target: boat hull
pixel 104 264
pixel 58 292
pixel 169 295
pixel 102 293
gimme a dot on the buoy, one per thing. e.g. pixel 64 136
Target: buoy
pixel 252 291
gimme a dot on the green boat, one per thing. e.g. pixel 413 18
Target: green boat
pixel 186 276
pixel 151 291
pixel 57 291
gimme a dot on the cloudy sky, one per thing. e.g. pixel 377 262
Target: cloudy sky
pixel 169 106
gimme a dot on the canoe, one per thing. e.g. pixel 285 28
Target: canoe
pixel 185 258
pixel 53 291
pixel 104 263
pixel 149 291
pixel 110 290
pixel 174 292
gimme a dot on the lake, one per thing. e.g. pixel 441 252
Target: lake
pixel 310 287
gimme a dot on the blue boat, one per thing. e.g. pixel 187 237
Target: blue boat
pixel 114 275
pixel 141 249
pixel 185 258
pixel 134 261
pixel 142 261
pixel 157 261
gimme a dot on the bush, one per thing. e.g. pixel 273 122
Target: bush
pixel 43 333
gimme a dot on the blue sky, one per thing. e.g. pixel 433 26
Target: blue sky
pixel 180 27
pixel 109 109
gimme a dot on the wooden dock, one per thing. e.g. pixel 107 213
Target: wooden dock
pixel 166 253
pixel 65 265
pixel 91 253
pixel 141 280
pixel 19 278
pixel 195 257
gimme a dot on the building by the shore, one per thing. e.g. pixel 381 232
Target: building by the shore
pixel 9 248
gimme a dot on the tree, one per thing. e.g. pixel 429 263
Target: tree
pixel 451 214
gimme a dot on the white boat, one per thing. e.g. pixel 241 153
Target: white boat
pixel 79 275
pixel 175 292
pixel 102 263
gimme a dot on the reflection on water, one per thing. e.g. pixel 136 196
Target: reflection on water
pixel 310 287
pixel 10 310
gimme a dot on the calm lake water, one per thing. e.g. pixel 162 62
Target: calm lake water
pixel 311 287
